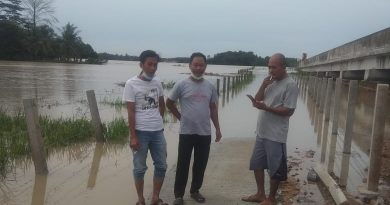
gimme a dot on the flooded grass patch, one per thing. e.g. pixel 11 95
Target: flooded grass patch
pixel 117 130
pixel 55 132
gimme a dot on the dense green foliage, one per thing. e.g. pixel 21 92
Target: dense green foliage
pixel 241 58
pixel 32 37
pixel 126 57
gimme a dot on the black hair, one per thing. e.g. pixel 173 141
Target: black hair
pixel 148 54
pixel 198 54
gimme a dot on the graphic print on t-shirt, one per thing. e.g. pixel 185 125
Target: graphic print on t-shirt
pixel 151 99
pixel 198 96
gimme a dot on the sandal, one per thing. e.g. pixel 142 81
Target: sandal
pixel 159 202
pixel 178 201
pixel 198 197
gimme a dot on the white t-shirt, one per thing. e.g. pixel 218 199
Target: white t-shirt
pixel 146 95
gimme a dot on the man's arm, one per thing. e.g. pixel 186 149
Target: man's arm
pixel 131 118
pixel 161 106
pixel 214 118
pixel 260 93
pixel 171 105
pixel 282 111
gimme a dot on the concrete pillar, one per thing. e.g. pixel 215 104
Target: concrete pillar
pixel 335 126
pixel 328 100
pixel 377 135
pixel 352 97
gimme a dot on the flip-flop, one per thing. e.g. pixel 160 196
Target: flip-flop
pixel 251 198
pixel 198 197
pixel 159 202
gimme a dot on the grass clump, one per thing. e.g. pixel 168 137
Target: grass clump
pixel 117 130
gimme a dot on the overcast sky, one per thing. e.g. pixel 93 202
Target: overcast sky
pixel 176 28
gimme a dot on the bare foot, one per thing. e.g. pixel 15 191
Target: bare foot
pixel 253 198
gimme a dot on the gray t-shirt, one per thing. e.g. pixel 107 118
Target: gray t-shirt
pixel 194 100
pixel 269 125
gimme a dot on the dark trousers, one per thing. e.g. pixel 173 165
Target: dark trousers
pixel 201 146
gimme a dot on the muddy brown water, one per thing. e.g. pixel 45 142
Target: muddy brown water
pixel 90 173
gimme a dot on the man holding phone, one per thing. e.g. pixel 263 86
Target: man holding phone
pixel 276 100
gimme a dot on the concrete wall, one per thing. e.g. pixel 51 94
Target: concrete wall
pixel 365 58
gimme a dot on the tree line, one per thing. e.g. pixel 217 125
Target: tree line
pixel 226 58
pixel 26 33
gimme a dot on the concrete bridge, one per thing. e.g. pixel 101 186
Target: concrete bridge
pixel 367 58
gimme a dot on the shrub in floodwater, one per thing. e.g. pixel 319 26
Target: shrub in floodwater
pixel 117 130
pixel 117 103
pixel 58 132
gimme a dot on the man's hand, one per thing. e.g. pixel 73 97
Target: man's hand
pixel 218 135
pixel 259 105
pixel 134 145
pixel 267 81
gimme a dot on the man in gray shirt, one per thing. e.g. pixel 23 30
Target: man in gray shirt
pixel 197 98
pixel 276 100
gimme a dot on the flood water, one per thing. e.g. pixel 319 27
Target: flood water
pixel 92 173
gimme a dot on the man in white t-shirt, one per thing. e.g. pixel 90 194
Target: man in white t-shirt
pixel 276 100
pixel 145 107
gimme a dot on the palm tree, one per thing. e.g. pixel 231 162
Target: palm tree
pixel 70 41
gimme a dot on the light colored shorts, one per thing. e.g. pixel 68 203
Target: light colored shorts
pixel 153 141
pixel 270 155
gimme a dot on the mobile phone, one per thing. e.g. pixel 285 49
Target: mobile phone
pixel 251 98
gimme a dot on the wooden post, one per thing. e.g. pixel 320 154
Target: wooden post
pixel 233 81
pixel 317 93
pixel 323 94
pixel 352 96
pixel 328 101
pixel 35 136
pixel 224 84
pixel 377 135
pixel 228 83
pixel 335 124
pixel 218 81
pixel 95 115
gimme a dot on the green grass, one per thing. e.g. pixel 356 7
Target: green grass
pixel 55 132
pixel 117 130
pixel 117 103
pixel 168 85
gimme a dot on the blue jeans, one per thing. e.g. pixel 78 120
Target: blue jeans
pixel 155 142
